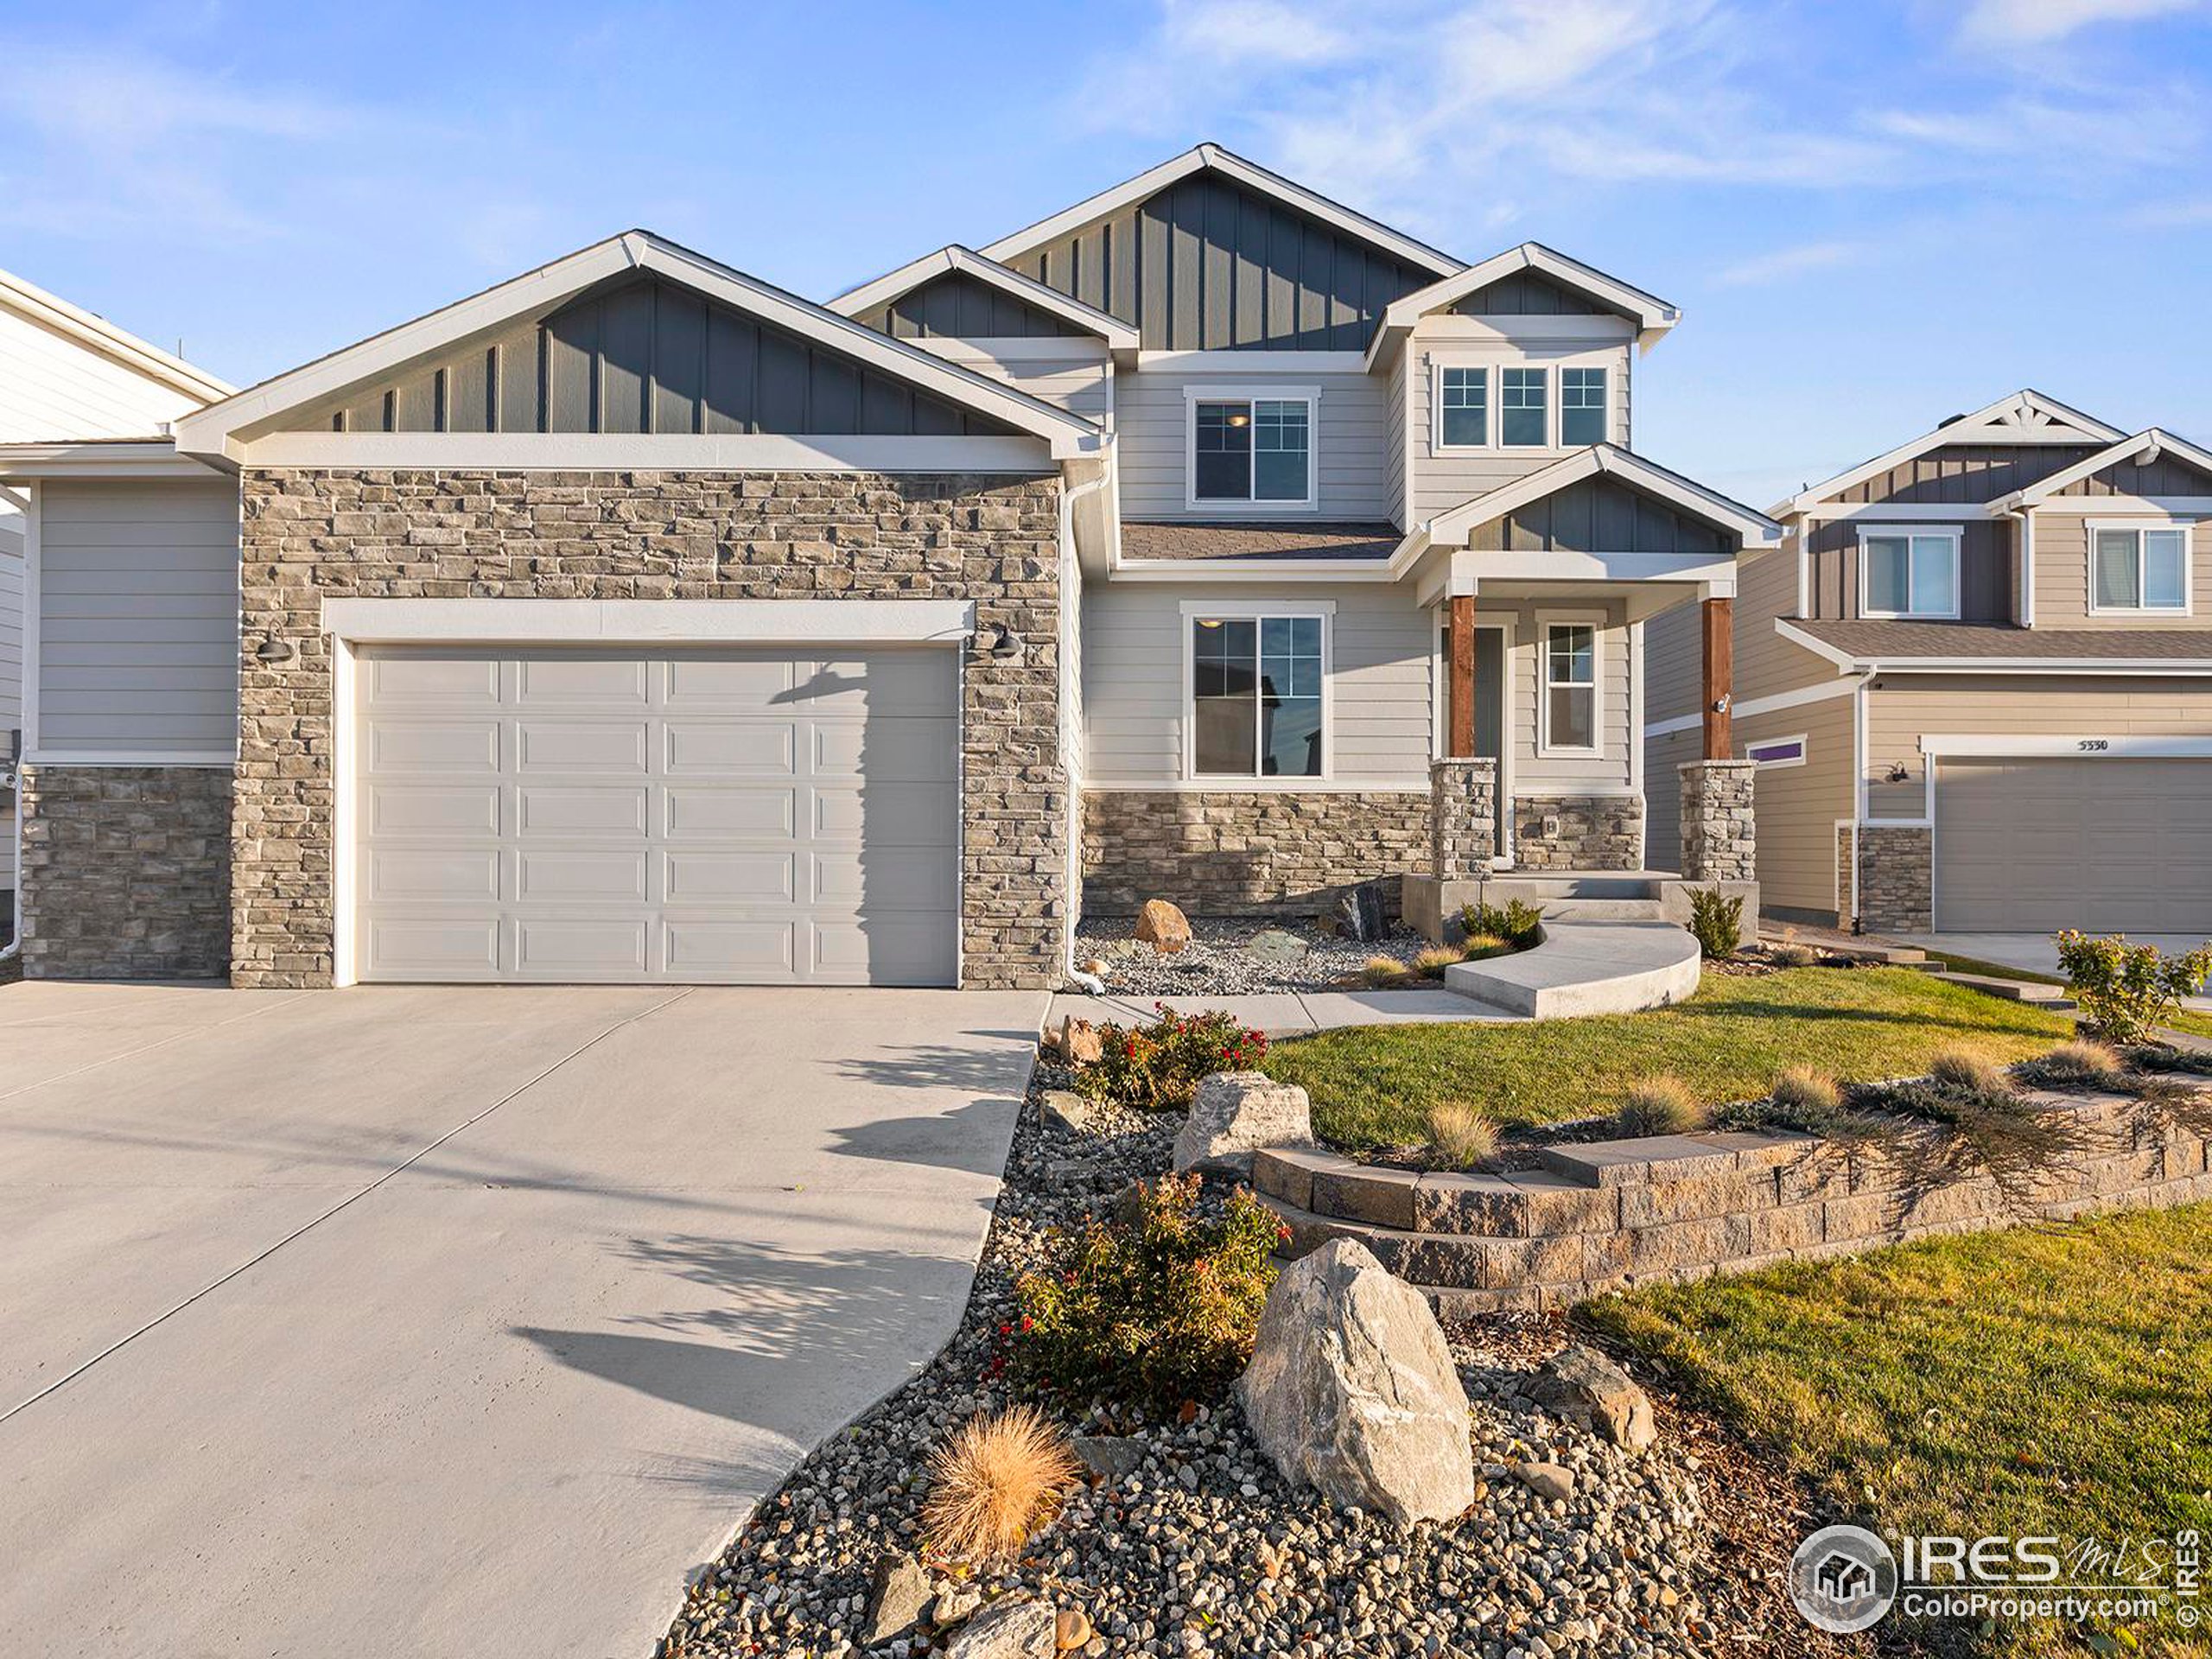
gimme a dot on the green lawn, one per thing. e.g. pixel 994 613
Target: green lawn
pixel 1372 1085
pixel 1959 964
pixel 2040 1381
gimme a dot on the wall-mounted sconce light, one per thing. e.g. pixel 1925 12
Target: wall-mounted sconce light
pixel 1721 703
pixel 1897 773
pixel 273 652
pixel 999 642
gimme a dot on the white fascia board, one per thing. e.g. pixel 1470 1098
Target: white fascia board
pixel 96 332
pixel 1654 316
pixel 1979 426
pixel 565 452
pixel 649 621
pixel 1875 512
pixel 1248 174
pixel 216 431
pixel 1118 335
pixel 1844 661
pixel 1757 530
pixel 1554 564
pixel 2043 490
pixel 2071 745
pixel 153 458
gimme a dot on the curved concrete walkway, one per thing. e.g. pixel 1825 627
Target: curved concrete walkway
pixel 403 1322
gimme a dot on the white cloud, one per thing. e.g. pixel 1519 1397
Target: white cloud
pixel 2034 22
pixel 1250 30
pixel 1785 263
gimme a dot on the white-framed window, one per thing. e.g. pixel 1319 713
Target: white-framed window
pixel 1581 407
pixel 1251 449
pixel 1524 408
pixel 2139 567
pixel 1462 407
pixel 1570 711
pixel 1909 572
pixel 1776 752
pixel 1257 688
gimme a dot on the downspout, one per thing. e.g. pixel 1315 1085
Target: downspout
pixel 1071 627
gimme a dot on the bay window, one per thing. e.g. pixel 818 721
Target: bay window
pixel 1255 694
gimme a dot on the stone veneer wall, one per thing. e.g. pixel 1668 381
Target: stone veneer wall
pixel 1720 831
pixel 1462 818
pixel 1246 852
pixel 1577 832
pixel 1896 878
pixel 1608 1215
pixel 126 872
pixel 310 535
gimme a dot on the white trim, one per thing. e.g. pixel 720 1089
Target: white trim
pixel 1908 534
pixel 33 611
pixel 2140 528
pixel 2151 441
pixel 1804 750
pixel 1652 315
pixel 2026 521
pixel 1596 621
pixel 605 452
pixel 2076 746
pixel 1913 512
pixel 1247 362
pixel 649 622
pixel 1155 179
pixel 2007 421
pixel 220 431
pixel 2140 506
pixel 344 828
pixel 225 758
pixel 1452 528
pixel 1198 391
pixel 1804 535
pixel 153 458
pixel 954 258
pixel 1437 367
pixel 1798 698
pixel 1324 611
pixel 51 311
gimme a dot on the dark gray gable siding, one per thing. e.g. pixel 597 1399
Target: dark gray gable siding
pixel 1208 265
pixel 1986 564
pixel 1529 294
pixel 1967 472
pixel 637 355
pixel 956 306
pixel 2168 475
pixel 1600 516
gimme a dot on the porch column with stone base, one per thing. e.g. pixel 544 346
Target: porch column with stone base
pixel 1720 833
pixel 1462 817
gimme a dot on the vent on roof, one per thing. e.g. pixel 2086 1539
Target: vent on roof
pixel 1952 420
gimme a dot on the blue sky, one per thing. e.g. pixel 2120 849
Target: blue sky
pixel 1872 214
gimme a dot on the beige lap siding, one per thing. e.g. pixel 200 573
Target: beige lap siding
pixel 309 536
pixel 2063 573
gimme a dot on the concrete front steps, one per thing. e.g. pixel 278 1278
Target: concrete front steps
pixel 1586 967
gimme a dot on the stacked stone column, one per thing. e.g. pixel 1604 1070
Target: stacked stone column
pixel 1462 817
pixel 1719 838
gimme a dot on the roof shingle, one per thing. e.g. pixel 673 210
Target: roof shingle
pixel 2001 642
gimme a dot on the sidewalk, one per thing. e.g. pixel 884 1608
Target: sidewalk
pixel 1286 1013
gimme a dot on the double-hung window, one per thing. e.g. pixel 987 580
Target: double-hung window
pixel 1256 452
pixel 1581 407
pixel 1908 573
pixel 1523 421
pixel 1570 711
pixel 1462 409
pixel 2139 567
pixel 1255 695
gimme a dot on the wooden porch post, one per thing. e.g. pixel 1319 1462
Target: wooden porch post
pixel 1459 683
pixel 1720 679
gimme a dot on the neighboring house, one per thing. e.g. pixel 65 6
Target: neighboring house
pixel 66 373
pixel 635 619
pixel 1977 683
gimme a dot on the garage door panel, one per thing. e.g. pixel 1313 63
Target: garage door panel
pixel 461 874
pixel 886 878
pixel 399 809
pixel 581 678
pixel 882 950
pixel 701 947
pixel 898 683
pixel 696 812
pixel 891 749
pixel 460 685
pixel 702 877
pixel 581 947
pixel 463 746
pixel 591 875
pixel 452 944
pixel 743 680
pixel 895 815
pixel 730 748
pixel 547 746
pixel 553 809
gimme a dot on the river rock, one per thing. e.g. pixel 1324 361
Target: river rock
pixel 1162 926
pixel 1582 1386
pixel 1236 1113
pixel 1009 1630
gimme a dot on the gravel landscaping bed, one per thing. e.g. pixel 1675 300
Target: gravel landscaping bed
pixel 1189 1543
pixel 1219 960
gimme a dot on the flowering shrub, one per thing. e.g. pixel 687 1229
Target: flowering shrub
pixel 1161 1065
pixel 1155 1306
pixel 2124 989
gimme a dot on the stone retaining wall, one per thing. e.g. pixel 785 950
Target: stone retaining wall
pixel 1577 832
pixel 1608 1215
pixel 1246 852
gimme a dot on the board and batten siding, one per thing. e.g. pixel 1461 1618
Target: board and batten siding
pixel 1985 566
pixel 1352 461
pixel 1443 479
pixel 138 619
pixel 54 387
pixel 2061 543
pixel 1381 693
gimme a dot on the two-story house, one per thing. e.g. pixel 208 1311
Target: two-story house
pixel 636 619
pixel 1976 683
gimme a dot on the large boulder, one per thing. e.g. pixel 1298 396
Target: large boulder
pixel 1162 926
pixel 1009 1630
pixel 1236 1113
pixel 1581 1385
pixel 1352 1389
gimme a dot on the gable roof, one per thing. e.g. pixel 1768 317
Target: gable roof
pixel 1652 315
pixel 1452 528
pixel 220 431
pixel 2024 416
pixel 953 258
pixel 2143 449
pixel 97 333
pixel 1252 176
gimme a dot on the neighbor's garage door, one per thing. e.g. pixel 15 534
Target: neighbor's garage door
pixel 734 817
pixel 2033 845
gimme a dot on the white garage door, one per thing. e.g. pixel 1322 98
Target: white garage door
pixel 2108 845
pixel 732 817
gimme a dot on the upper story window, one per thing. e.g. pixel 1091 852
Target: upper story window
pixel 1581 407
pixel 1256 692
pixel 1462 409
pixel 1251 453
pixel 1522 420
pixel 1570 711
pixel 2139 567
pixel 1908 573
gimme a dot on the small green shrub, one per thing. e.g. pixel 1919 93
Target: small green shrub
pixel 1461 1135
pixel 1517 922
pixel 1661 1105
pixel 1478 947
pixel 1157 1305
pixel 1159 1066
pixel 2075 1065
pixel 2124 990
pixel 1716 922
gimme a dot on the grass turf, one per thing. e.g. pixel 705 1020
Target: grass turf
pixel 1371 1086
pixel 2043 1380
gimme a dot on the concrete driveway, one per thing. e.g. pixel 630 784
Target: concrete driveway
pixel 443 1321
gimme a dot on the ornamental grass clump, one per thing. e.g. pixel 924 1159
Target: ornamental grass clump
pixel 1461 1135
pixel 994 1483
pixel 1385 973
pixel 1806 1100
pixel 2076 1065
pixel 1155 1305
pixel 1431 963
pixel 1480 947
pixel 1661 1105
pixel 1158 1067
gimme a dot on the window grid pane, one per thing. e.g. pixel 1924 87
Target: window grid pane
pixel 1582 406
pixel 1282 450
pixel 1571 687
pixel 2164 552
pixel 1223 443
pixel 1467 407
pixel 1520 408
pixel 2117 575
pixel 1888 559
pixel 1224 695
pixel 1256 695
pixel 1934 576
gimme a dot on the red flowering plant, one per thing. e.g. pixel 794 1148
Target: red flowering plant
pixel 1159 1066
pixel 1156 1305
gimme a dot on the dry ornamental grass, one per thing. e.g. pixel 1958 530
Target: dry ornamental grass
pixel 1662 1105
pixel 994 1483
pixel 1463 1135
